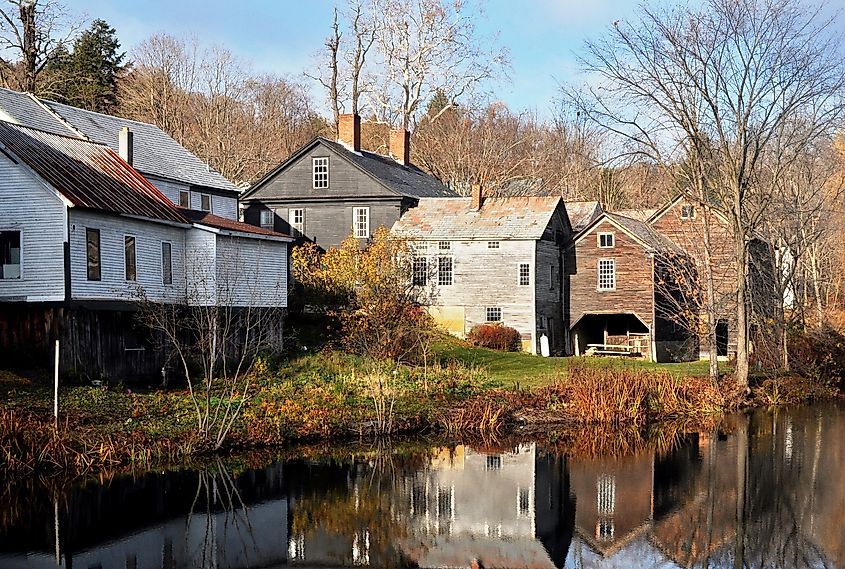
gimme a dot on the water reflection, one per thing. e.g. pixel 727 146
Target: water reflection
pixel 766 490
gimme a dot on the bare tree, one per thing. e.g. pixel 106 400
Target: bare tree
pixel 732 77
pixel 32 30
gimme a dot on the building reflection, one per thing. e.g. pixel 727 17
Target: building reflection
pixel 765 490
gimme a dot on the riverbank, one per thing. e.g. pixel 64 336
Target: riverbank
pixel 464 392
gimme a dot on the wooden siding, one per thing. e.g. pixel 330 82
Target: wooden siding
pixel 201 267
pixel 223 206
pixel 489 278
pixel 549 296
pixel 328 223
pixel 251 272
pixel 345 180
pixel 27 205
pixel 113 285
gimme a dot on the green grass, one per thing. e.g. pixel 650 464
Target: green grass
pixel 508 369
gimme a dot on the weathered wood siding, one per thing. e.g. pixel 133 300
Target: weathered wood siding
pixel 252 272
pixel 634 290
pixel 489 278
pixel 549 294
pixel 113 284
pixel 222 205
pixel 28 206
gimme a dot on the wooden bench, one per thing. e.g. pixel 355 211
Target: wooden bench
pixel 611 350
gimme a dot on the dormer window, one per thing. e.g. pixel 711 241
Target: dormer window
pixel 687 212
pixel 320 172
pixel 606 241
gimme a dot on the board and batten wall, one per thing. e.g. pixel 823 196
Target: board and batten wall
pixel 29 206
pixel 220 205
pixel 113 284
pixel 488 278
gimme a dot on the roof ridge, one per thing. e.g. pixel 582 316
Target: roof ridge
pixel 55 114
pixel 49 102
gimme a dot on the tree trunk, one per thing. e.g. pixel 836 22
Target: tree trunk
pixel 814 267
pixel 712 316
pixel 741 255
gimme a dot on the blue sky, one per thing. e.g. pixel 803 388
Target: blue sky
pixel 282 36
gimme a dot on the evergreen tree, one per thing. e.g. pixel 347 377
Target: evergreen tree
pixel 88 76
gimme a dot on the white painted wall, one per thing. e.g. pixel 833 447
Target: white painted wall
pixel 222 206
pixel 29 206
pixel 252 272
pixel 201 267
pixel 113 285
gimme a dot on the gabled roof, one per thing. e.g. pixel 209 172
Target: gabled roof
pixel 215 221
pixel 404 180
pixel 88 175
pixel 582 214
pixel 641 231
pixel 499 218
pixel 155 153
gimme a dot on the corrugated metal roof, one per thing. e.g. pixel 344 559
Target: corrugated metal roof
pixel 87 174
pixel 498 218
pixel 155 153
pixel 211 220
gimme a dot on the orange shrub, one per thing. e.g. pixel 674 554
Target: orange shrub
pixel 496 337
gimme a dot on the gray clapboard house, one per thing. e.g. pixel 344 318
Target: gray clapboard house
pixel 82 233
pixel 493 260
pixel 186 180
pixel 329 190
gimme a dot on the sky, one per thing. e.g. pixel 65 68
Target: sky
pixel 282 36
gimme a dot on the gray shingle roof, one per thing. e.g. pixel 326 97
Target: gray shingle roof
pixel 20 108
pixel 155 153
pixel 499 218
pixel 645 233
pixel 582 214
pixel 404 180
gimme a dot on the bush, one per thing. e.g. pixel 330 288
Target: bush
pixel 819 355
pixel 495 337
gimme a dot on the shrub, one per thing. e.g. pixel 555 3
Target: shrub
pixel 496 337
pixel 819 355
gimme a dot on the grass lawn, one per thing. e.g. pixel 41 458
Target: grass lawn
pixel 507 369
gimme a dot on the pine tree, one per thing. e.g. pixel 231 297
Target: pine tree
pixel 88 76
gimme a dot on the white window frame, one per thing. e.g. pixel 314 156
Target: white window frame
pixel 264 222
pixel 444 245
pixel 419 271
pixel 161 249
pixel 606 234
pixel 690 208
pixel 210 203
pixel 187 201
pixel 493 245
pixel 495 310
pixel 135 247
pixel 519 274
pixel 320 178
pixel 19 231
pixel 599 286
pixel 360 229
pixel 440 274
pixel 292 215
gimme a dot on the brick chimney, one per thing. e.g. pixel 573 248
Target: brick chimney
pixel 125 145
pixel 349 131
pixel 400 146
pixel 475 204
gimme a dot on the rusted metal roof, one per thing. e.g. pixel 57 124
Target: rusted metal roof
pixel 582 214
pixel 211 220
pixel 87 174
pixel 498 218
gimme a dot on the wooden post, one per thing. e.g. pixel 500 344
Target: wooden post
pixel 56 389
pixel 577 348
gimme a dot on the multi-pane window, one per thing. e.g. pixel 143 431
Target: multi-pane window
pixel 92 250
pixel 296 218
pixel 420 276
pixel 607 274
pixel 687 212
pixel 444 271
pixel 361 222
pixel 494 462
pixel 606 494
pixel 205 202
pixel 129 267
pixel 166 263
pixel 494 314
pixel 444 245
pixel 605 240
pixel 523 502
pixel 267 218
pixel 10 254
pixel 185 198
pixel 524 274
pixel 492 244
pixel 320 171
pixel 444 503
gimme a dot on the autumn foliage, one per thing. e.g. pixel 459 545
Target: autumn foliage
pixel 495 337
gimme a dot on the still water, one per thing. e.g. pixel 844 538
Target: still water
pixel 763 490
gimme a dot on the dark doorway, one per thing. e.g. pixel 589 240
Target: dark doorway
pixel 722 338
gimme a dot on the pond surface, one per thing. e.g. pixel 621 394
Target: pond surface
pixel 765 490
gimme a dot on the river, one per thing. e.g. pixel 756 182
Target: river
pixel 763 490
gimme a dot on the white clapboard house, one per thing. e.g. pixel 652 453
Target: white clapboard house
pixel 82 232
